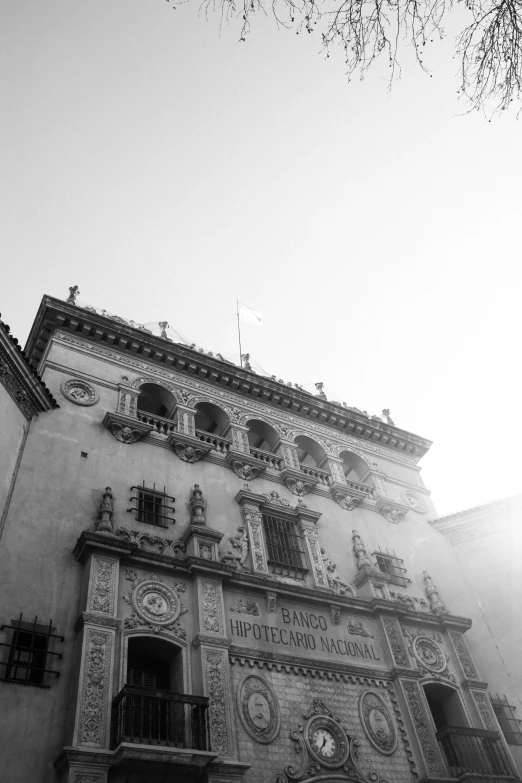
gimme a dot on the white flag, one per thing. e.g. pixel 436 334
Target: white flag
pixel 249 315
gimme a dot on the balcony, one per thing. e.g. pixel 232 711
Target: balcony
pixel 160 425
pixel 323 477
pixel 149 716
pixel 475 755
pixel 273 461
pixel 216 442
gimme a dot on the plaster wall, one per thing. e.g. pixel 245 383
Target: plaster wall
pixel 13 426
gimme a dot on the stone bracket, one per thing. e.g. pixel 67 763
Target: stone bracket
pixel 245 465
pixel 391 510
pixel 126 429
pixel 298 483
pixel 188 447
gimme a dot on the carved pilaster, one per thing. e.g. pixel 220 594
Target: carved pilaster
pixel 254 523
pixel 92 721
pixel 288 451
pixel 239 437
pixel 395 637
pixel 463 655
pixel 102 585
pixel 211 608
pixel 424 728
pixel 216 685
pixel 315 558
pixel 127 401
pixel 485 710
pixel 185 420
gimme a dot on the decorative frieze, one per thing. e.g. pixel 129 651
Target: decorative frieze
pixel 464 655
pixel 103 579
pixel 422 722
pixel 93 712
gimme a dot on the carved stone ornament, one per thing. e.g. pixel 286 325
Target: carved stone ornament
pixel 94 688
pixel 377 722
pixel 239 543
pixel 258 709
pixel 155 604
pixel 245 471
pixel 345 500
pixel 414 501
pixel 392 513
pixel 80 392
pixel 244 607
pixel 298 486
pixel 197 504
pixel 188 453
pixel 429 654
pixel 126 429
pixel 335 583
pixel 165 546
pixel 358 629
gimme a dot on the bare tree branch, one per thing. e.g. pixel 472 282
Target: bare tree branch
pixel 490 48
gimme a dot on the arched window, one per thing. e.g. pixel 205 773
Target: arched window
pixel 354 467
pixel 261 435
pixel 310 453
pixel 210 418
pixel 156 400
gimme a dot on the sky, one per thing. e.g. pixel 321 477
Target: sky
pixel 168 170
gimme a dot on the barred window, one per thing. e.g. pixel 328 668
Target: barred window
pixel 29 654
pixel 392 565
pixel 284 546
pixel 152 506
pixel 508 723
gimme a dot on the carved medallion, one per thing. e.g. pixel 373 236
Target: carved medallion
pixel 258 709
pixel 377 722
pixel 414 501
pixel 429 654
pixel 80 392
pixel 156 603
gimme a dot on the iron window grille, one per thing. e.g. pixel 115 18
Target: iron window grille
pixel 284 546
pixel 508 723
pixel 392 565
pixel 152 506
pixel 28 653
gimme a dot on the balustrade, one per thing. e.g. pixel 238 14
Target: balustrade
pixel 160 425
pixel 219 444
pixel 475 751
pixel 324 477
pixel 272 460
pixel 356 485
pixel 157 717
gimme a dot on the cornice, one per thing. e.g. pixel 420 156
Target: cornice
pixel 21 381
pixel 54 314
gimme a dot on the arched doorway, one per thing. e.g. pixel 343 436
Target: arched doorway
pixel 445 706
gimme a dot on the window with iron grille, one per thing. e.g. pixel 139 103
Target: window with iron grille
pixel 29 655
pixel 392 565
pixel 508 723
pixel 153 506
pixel 284 546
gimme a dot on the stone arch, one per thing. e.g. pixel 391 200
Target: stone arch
pixel 194 399
pixel 210 416
pixel 264 434
pixel 314 449
pixel 139 382
pixel 246 417
pixel 356 467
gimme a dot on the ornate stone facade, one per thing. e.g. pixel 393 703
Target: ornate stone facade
pixel 102 588
pixel 423 726
pixel 464 655
pixel 215 665
pixel 95 694
pixel 395 637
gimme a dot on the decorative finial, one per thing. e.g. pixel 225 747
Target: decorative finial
pixel 246 361
pixel 163 325
pixel 436 605
pixel 361 557
pixel 104 524
pixel 74 291
pixel 198 505
pixel 320 391
pixel 386 414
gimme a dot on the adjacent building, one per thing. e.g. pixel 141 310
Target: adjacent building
pixel 210 575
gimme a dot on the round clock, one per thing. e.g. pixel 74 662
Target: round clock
pixel 327 741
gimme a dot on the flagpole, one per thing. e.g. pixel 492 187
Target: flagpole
pixel 239 333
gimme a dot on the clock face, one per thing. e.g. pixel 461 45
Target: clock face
pixel 324 743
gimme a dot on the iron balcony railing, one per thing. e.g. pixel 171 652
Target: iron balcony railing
pixel 157 717
pixel 475 751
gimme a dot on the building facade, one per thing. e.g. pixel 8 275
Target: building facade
pixel 209 575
